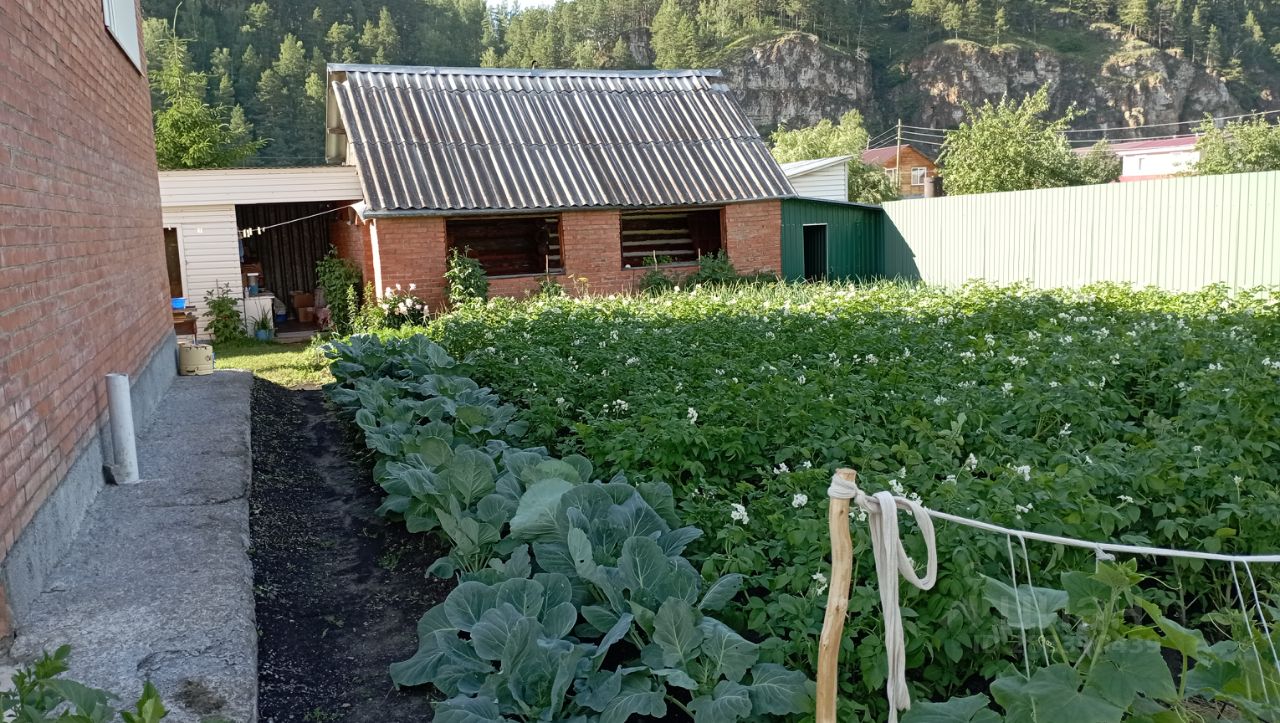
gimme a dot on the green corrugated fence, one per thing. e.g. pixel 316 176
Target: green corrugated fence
pixel 1179 234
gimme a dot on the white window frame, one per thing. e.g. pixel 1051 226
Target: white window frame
pixel 121 20
pixel 923 174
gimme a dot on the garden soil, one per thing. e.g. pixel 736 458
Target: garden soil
pixel 338 589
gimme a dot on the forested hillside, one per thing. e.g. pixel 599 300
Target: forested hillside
pixel 1130 62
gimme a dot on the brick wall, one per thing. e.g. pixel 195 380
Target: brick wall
pixel 414 250
pixel 83 286
pixel 752 234
pixel 351 238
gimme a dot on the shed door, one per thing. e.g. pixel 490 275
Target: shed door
pixel 815 252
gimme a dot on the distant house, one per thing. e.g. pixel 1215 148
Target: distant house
pixel 586 174
pixel 824 178
pixel 907 167
pixel 1147 160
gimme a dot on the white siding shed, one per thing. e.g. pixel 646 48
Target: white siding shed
pixel 822 178
pixel 200 204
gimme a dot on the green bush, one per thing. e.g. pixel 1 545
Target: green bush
pixel 467 280
pixel 339 280
pixel 223 312
pixel 1105 413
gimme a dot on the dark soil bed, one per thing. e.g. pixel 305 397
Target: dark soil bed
pixel 339 590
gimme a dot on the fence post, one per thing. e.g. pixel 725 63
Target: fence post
pixel 837 600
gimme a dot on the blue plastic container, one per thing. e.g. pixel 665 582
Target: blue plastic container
pixel 179 303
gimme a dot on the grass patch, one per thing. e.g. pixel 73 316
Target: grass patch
pixel 297 366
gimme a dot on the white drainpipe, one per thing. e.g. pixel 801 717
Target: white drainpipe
pixel 120 405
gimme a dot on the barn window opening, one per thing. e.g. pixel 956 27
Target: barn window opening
pixel 668 236
pixel 509 246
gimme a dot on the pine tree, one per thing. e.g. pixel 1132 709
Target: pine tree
pixel 290 115
pixel 675 40
pixel 1213 56
pixel 381 41
pixel 1001 24
pixel 953 18
pixel 189 132
pixel 339 42
pixel 224 90
pixel 1135 15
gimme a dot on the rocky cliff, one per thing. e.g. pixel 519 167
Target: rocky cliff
pixel 797 80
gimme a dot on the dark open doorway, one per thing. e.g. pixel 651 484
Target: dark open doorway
pixel 815 252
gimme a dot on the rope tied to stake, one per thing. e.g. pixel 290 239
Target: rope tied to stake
pixel 892 561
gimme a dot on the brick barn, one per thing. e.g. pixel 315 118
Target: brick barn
pixel 581 174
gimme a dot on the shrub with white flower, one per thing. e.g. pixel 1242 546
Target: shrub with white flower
pixel 799 499
pixel 693 415
pixel 1023 471
pixel 738 513
pixel 402 308
pixel 821 586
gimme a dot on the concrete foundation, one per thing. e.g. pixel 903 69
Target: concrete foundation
pixel 48 538
pixel 158 585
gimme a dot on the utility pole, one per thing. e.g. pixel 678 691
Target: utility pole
pixel 897 160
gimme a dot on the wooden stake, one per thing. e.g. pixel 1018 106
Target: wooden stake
pixel 837 601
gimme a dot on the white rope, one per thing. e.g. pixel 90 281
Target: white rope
pixel 1266 628
pixel 882 518
pixel 891 561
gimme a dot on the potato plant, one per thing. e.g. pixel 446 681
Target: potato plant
pixel 576 602
pixel 1107 413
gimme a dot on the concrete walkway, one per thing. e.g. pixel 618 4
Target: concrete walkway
pixel 158 585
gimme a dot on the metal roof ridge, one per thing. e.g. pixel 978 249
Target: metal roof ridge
pixel 532 72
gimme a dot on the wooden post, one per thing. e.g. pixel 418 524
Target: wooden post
pixel 837 601
pixel 897 161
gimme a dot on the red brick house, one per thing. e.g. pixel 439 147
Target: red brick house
pixel 83 288
pixel 582 174
pixel 908 168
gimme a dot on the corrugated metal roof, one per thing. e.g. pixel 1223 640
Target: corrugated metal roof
pixel 799 168
pixel 463 139
pixel 879 156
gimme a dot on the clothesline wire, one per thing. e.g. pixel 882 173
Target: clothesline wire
pixel 257 230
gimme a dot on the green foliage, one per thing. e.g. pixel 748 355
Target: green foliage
pixel 1102 666
pixel 371 317
pixel 675 37
pixel 594 614
pixel 267 57
pixel 1100 165
pixel 339 281
pixel 714 268
pixel 1010 146
pixel 1244 146
pixel 867 184
pixel 189 132
pixel 467 280
pixel 548 288
pixel 401 307
pixel 1135 413
pixel 39 694
pixel 222 310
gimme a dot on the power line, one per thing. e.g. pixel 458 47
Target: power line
pixel 1175 123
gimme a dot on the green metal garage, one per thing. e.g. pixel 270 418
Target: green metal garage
pixel 830 240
